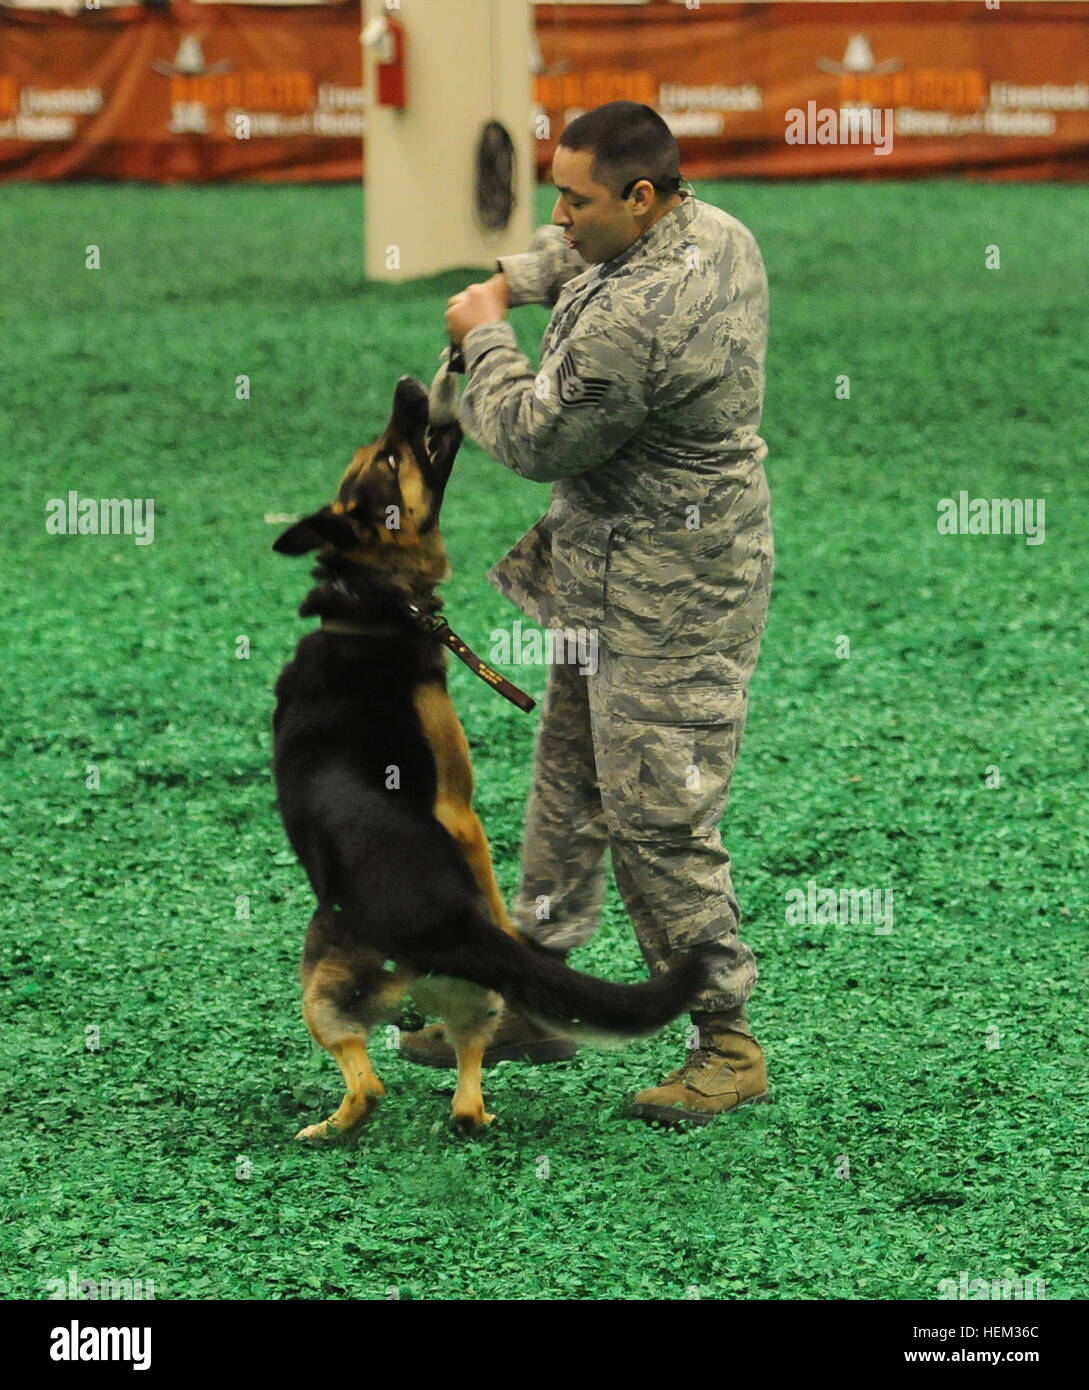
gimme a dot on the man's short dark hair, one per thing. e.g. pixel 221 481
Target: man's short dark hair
pixel 628 141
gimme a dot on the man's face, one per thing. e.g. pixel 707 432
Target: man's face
pixel 596 222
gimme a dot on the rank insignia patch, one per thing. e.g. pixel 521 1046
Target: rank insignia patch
pixel 576 390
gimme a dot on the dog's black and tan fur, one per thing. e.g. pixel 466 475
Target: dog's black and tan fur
pixel 375 789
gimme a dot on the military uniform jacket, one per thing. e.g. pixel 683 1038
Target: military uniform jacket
pixel 644 416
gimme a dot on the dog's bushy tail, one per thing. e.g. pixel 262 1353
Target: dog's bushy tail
pixel 437 924
pixel 547 989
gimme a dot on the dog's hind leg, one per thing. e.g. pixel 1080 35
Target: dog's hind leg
pixel 471 1016
pixel 337 1013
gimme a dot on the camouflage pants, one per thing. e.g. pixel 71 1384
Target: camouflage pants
pixel 638 758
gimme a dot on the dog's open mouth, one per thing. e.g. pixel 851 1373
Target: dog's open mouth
pixel 391 492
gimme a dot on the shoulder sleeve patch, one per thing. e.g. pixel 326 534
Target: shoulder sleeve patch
pixel 577 390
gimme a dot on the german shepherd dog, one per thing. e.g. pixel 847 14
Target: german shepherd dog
pixel 375 786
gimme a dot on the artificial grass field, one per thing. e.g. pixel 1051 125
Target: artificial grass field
pixel 902 1147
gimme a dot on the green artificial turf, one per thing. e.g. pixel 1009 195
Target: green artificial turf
pixel 902 1147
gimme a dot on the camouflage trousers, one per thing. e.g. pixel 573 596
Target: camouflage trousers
pixel 637 758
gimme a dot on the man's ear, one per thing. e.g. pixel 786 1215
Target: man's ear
pixel 323 528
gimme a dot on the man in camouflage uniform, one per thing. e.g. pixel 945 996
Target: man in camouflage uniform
pixel 644 417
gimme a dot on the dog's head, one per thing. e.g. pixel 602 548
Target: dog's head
pixel 392 491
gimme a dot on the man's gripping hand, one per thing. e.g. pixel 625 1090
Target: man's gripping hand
pixel 482 303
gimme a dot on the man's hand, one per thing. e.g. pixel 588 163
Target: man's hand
pixel 482 303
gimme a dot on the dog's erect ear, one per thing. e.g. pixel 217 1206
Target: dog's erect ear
pixel 323 528
pixel 442 446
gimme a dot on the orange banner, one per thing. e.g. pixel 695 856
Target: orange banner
pixel 818 90
pixel 193 93
pixel 202 92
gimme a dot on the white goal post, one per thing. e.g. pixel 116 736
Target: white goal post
pixel 466 62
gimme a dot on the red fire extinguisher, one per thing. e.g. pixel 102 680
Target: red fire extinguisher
pixel 386 38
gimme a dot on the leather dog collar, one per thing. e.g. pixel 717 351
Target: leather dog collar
pixel 435 625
